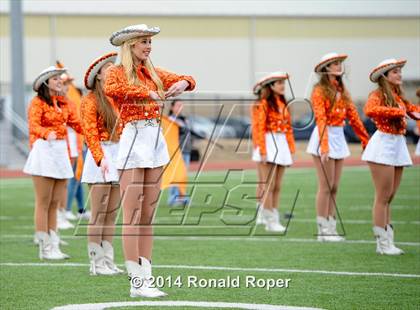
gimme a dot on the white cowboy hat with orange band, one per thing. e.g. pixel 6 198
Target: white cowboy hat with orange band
pixel 384 67
pixel 328 59
pixel 272 77
pixel 96 66
pixel 130 32
pixel 45 75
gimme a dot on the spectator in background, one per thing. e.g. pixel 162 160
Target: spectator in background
pixel 185 144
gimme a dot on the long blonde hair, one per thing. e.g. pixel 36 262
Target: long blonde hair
pixel 330 91
pixel 385 88
pixel 105 110
pixel 127 62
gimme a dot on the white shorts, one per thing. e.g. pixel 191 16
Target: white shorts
pixel 92 174
pixel 387 149
pixel 142 145
pixel 72 139
pixel 417 152
pixel 278 151
pixel 49 159
pixel 337 144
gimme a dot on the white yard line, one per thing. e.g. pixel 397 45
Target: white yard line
pixel 224 238
pixel 239 269
pixel 179 303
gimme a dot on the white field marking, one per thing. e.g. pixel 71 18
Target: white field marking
pixel 239 269
pixel 161 221
pixel 179 303
pixel 291 221
pixel 227 238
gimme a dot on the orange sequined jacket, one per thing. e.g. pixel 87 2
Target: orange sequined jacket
pixel 254 122
pixel 269 120
pixel 94 126
pixel 327 115
pixel 388 119
pixel 44 119
pixel 126 95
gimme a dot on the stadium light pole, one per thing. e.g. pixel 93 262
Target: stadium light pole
pixel 18 80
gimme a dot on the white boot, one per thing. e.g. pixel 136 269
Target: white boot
pixel 390 233
pixel 97 260
pixel 62 221
pixel 140 279
pixel 324 230
pixel 55 241
pixel 259 220
pixel 332 225
pixel 45 246
pixel 382 242
pixel 109 256
pixel 272 220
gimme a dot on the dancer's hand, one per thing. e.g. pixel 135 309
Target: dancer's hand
pixel 104 167
pixel 324 158
pixel 264 159
pixel 51 136
pixel 153 95
pixel 176 89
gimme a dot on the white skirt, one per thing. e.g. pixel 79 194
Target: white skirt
pixel 49 159
pixel 142 145
pixel 72 139
pixel 92 174
pixel 278 151
pixel 337 144
pixel 387 149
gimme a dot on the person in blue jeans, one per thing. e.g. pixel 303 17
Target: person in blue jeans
pixel 185 142
pixel 75 190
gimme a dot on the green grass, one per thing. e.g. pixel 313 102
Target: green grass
pixel 32 287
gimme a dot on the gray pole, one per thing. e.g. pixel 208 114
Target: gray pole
pixel 18 79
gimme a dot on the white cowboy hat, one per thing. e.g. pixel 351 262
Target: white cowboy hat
pixel 327 59
pixel 274 76
pixel 130 32
pixel 46 74
pixel 96 65
pixel 385 66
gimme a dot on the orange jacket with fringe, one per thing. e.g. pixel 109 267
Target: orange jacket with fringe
pixel 328 115
pixel 127 96
pixel 44 119
pixel 388 119
pixel 94 126
pixel 269 120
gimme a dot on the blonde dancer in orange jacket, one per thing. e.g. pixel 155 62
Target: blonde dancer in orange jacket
pixel 332 104
pixel 137 88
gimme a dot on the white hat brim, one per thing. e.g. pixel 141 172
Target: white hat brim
pixel 119 37
pixel 328 61
pixel 267 80
pixel 45 76
pixel 96 66
pixel 380 70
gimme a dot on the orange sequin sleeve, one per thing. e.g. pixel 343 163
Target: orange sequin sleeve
pixel 89 117
pixel 289 134
pixel 260 130
pixel 117 86
pixel 169 78
pixel 412 107
pixel 357 124
pixel 319 107
pixel 73 119
pixel 35 112
pixel 254 121
pixel 374 108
